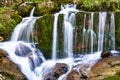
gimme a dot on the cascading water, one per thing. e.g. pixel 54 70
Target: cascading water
pixel 112 31
pixel 32 63
pixel 68 24
pixel 102 21
pixel 22 50
pixel 24 30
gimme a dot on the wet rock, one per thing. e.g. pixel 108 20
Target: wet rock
pixel 58 70
pixel 105 67
pixel 23 50
pixel 78 72
pixel 73 75
pixel 84 69
pixel 35 61
pixel 106 54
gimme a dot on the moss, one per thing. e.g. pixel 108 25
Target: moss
pixel 61 2
pixel 98 5
pixel 117 28
pixel 25 10
pixel 43 34
pixel 8 20
pixel 46 8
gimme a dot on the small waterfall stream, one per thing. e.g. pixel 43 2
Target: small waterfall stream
pixel 21 48
pixel 102 20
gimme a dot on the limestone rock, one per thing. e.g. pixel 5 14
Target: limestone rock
pixel 105 67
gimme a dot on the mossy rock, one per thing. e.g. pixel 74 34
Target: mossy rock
pixel 43 33
pixel 117 28
pixel 63 1
pixel 88 5
pixel 25 8
pixel 46 8
pixel 8 20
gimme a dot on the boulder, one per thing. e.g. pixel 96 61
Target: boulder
pixel 23 50
pixel 106 53
pixel 58 70
pixel 8 69
pixel 78 72
pixel 73 75
pixel 105 67
pixel 35 61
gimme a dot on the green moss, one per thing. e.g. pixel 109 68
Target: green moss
pixel 46 8
pixel 25 10
pixel 8 20
pixel 63 1
pixel 117 28
pixel 34 0
pixel 98 5
pixel 43 33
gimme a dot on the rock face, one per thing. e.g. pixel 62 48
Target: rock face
pixel 105 67
pixel 56 72
pixel 9 70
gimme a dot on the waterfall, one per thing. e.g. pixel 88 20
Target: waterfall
pixel 24 30
pixel 68 25
pixel 84 34
pixel 91 32
pixel 102 22
pixel 21 48
pixel 112 31
pixel 55 37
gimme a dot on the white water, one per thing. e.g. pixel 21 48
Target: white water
pixel 24 30
pixel 112 31
pixel 33 64
pixel 69 18
pixel 102 22
pixel 54 56
pixel 92 34
pixel 84 34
